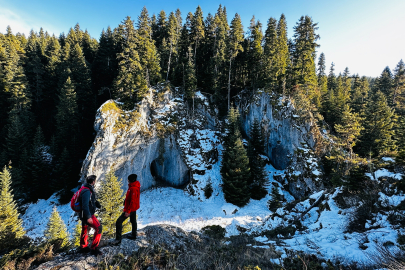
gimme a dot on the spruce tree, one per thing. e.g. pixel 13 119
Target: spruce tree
pixel 39 166
pixel 322 81
pixel 379 127
pixel 255 53
pixel 269 54
pixel 400 136
pixel 67 115
pixel 77 233
pixel 130 84
pixel 10 223
pixel 258 176
pixel 111 197
pixel 219 61
pixel 173 35
pixel 16 139
pixel 63 176
pixel 148 55
pixel 385 84
pixel 235 174
pixel 282 60
pixel 56 229
pixel 349 129
pixel 104 68
pixel 233 126
pixel 276 199
pixel 190 80
pixel 235 163
pixel 359 96
pixel 234 47
pixel 305 45
pixel 398 99
pixel 197 29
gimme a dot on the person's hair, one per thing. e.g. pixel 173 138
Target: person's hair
pixel 132 177
pixel 90 179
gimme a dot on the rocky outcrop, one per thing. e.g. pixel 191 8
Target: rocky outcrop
pixel 284 130
pixel 142 141
pixel 171 238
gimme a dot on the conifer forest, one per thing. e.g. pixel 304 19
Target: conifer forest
pixel 51 87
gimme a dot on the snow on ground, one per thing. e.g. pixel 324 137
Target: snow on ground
pixel 384 173
pixel 325 234
pixel 324 237
pixel 37 215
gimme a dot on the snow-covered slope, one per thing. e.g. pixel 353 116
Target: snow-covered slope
pixel 318 229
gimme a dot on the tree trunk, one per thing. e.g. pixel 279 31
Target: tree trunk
pixel 229 83
pixel 168 65
pixel 184 82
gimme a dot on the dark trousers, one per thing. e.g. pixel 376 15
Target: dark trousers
pixel 120 220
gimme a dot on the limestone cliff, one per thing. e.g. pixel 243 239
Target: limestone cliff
pixel 163 140
pixel 141 141
pixel 290 140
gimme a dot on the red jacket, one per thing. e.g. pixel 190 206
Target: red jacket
pixel 132 199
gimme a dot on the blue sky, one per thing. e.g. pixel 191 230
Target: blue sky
pixel 364 35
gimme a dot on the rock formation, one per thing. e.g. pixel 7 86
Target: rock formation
pixel 142 141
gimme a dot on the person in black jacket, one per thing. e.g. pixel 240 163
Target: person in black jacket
pixel 89 205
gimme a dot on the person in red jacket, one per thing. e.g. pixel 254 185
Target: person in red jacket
pixel 131 204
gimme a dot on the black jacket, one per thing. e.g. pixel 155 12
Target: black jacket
pixel 89 202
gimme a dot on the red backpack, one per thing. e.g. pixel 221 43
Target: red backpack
pixel 75 202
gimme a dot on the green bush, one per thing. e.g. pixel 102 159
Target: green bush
pixel 214 231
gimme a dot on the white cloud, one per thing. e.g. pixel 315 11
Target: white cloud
pixel 20 23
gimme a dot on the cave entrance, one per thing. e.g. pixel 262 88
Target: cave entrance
pixel 158 173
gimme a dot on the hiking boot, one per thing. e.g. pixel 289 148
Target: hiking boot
pixel 96 252
pixel 116 242
pixel 131 237
pixel 84 250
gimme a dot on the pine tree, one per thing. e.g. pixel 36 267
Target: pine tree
pixel 276 199
pixel 148 55
pixel 173 35
pixel 56 229
pixel 322 81
pixel 233 126
pixel 10 223
pixel 349 129
pixel 235 164
pixel 235 46
pixel 235 174
pixel 400 136
pixel 81 78
pixel 16 138
pixel 104 68
pixel 130 84
pixel 359 95
pixel 190 80
pixel 398 99
pixel 305 38
pixel 111 197
pixel 197 29
pixel 35 69
pixel 378 137
pixel 385 84
pixel 255 53
pixel 77 234
pixel 282 54
pixel 269 54
pixel 39 166
pixel 258 177
pixel 219 63
pixel 67 115
pixel 64 176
